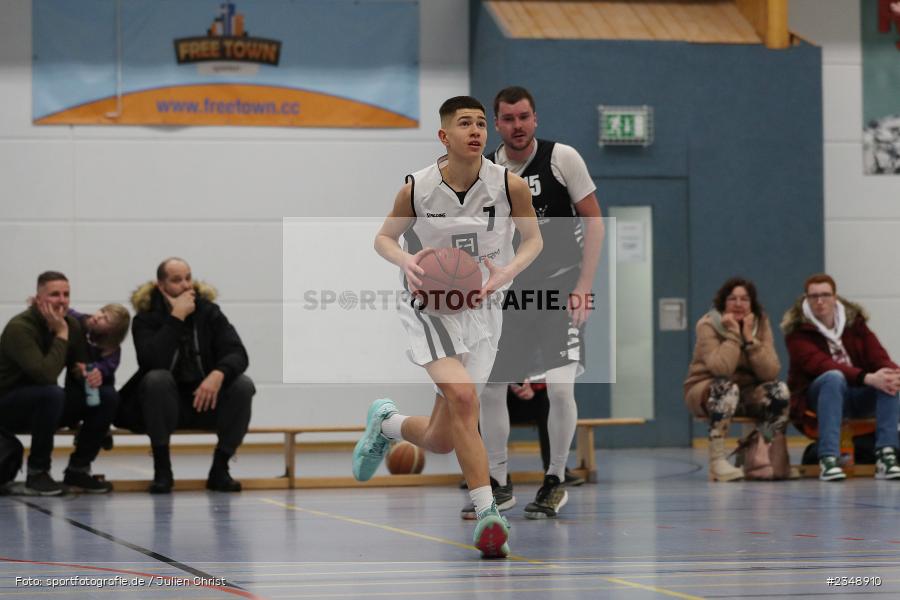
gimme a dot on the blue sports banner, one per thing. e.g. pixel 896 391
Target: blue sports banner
pixel 292 63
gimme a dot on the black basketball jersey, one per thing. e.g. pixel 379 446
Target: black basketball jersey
pixel 560 225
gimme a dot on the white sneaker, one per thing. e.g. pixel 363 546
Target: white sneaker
pixel 886 466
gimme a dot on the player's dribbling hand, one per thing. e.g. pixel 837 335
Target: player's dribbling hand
pixel 412 270
pixel 497 278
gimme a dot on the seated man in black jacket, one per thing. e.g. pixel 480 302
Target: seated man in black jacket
pixel 190 373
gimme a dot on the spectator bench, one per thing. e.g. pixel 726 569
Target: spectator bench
pixel 813 470
pixel 584 452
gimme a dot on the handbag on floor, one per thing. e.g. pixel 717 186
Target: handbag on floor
pixel 753 453
pixel 778 456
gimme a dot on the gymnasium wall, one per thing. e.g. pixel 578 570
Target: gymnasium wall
pixel 862 213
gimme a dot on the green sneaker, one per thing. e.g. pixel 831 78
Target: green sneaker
pixel 886 466
pixel 829 469
pixel 491 534
pixel 372 446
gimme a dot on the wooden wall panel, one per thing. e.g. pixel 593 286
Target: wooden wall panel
pixel 698 21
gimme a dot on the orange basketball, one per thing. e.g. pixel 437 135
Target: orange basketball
pixel 451 281
pixel 405 458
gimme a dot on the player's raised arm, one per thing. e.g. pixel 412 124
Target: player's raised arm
pixel 387 240
pixel 523 215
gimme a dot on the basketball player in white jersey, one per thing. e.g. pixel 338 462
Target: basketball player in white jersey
pixel 468 202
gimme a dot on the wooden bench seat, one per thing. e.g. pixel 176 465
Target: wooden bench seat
pixel 584 452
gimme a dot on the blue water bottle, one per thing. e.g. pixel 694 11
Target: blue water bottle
pixel 92 394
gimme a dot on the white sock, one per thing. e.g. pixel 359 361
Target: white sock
pixel 482 498
pixel 563 417
pixel 495 429
pixel 390 427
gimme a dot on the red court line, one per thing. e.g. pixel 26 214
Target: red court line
pixel 852 539
pixel 219 588
pixel 807 535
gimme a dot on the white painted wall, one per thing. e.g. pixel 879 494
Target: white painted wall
pixel 106 204
pixel 862 213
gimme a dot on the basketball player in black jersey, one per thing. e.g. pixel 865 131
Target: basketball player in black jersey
pixel 564 199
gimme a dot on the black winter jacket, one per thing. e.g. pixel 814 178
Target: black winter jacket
pixel 156 335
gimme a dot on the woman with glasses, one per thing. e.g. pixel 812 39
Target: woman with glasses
pixel 734 370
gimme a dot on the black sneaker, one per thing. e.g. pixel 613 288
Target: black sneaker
pixel 220 480
pixel 551 497
pixel 573 480
pixel 84 482
pixel 503 498
pixel 41 484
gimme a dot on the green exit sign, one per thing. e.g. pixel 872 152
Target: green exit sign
pixel 626 125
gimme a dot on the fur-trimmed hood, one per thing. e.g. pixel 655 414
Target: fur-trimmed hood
pixel 793 319
pixel 142 297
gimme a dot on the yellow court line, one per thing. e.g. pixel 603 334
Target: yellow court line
pixel 653 588
pixel 430 538
pixel 458 545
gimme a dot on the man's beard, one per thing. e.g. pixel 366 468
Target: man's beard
pixel 518 146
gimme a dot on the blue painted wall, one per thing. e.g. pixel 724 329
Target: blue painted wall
pixel 740 123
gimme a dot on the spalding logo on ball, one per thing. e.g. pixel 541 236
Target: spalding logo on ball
pixel 451 281
pixel 405 458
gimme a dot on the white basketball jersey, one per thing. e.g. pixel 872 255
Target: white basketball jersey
pixel 479 223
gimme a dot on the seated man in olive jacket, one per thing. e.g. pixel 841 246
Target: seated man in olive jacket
pixel 191 365
pixel 35 347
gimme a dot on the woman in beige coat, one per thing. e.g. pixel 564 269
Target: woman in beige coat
pixel 734 370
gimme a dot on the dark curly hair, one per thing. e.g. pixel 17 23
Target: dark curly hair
pixel 719 299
